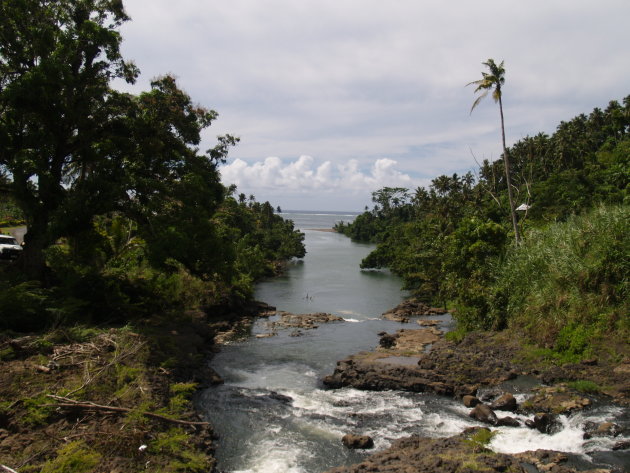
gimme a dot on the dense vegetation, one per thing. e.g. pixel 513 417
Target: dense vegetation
pixel 125 216
pixel 567 282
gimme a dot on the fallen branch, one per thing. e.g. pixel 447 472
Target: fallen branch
pixel 90 406
pixel 7 469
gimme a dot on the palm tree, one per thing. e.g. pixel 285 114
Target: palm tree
pixel 494 81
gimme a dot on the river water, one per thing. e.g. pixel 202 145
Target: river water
pixel 272 415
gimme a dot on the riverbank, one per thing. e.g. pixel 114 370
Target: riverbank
pixel 480 359
pixel 478 369
pixel 114 399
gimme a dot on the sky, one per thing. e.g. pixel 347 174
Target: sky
pixel 334 99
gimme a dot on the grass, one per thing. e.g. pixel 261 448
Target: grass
pixel 483 437
pixel 567 286
pixel 75 457
pixel 585 386
pixel 113 366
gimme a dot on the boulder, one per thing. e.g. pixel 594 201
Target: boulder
pixel 484 414
pixel 607 429
pixel 506 402
pixel 465 390
pixel 411 308
pixel 508 421
pixel 396 317
pixel 387 340
pixel 274 396
pixel 357 441
pixel 470 401
pixel 541 422
pixel 622 445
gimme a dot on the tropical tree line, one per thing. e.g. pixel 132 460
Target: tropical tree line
pixel 452 241
pixel 124 213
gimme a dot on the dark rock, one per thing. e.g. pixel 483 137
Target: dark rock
pixel 426 364
pixel 387 341
pixel 431 455
pixel 462 390
pixel 622 445
pixel 208 377
pixel 442 389
pixel 483 413
pixel 450 368
pixel 470 401
pixel 333 382
pixel 541 422
pixel 357 441
pixel 490 394
pixel 508 422
pixel 302 321
pixel 506 402
pixel 274 396
pixel 410 308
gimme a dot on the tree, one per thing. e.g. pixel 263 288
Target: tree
pixel 75 148
pixel 493 81
pixel 56 108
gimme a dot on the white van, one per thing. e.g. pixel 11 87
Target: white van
pixel 9 248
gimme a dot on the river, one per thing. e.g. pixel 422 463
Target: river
pixel 272 415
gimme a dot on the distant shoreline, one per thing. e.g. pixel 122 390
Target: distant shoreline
pixel 330 230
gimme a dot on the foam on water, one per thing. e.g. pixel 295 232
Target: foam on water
pixel 515 440
pixel 569 435
pixel 272 456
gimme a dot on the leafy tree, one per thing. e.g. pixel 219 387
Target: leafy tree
pixel 56 62
pixel 493 81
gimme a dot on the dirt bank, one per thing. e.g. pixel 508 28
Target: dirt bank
pixel 110 400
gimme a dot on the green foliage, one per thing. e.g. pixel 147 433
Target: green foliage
pixel 38 411
pixel 568 285
pixel 180 396
pixel 176 443
pixel 10 213
pixel 585 386
pixel 482 437
pixel 74 457
pixel 126 218
pixel 23 306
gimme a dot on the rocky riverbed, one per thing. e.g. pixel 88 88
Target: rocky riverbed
pixel 475 369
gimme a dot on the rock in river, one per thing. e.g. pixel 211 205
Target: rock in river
pixel 358 441
pixel 484 414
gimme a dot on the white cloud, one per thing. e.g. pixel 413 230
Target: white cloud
pixel 304 178
pixel 363 79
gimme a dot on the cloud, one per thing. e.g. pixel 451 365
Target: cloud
pixel 364 79
pixel 304 178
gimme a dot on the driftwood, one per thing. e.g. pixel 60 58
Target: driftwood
pixel 90 406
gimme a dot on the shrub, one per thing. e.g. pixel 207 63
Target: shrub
pixel 567 285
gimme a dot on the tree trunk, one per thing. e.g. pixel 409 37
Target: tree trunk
pixel 506 162
pixel 35 241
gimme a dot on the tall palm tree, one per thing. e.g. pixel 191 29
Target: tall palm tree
pixel 493 81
